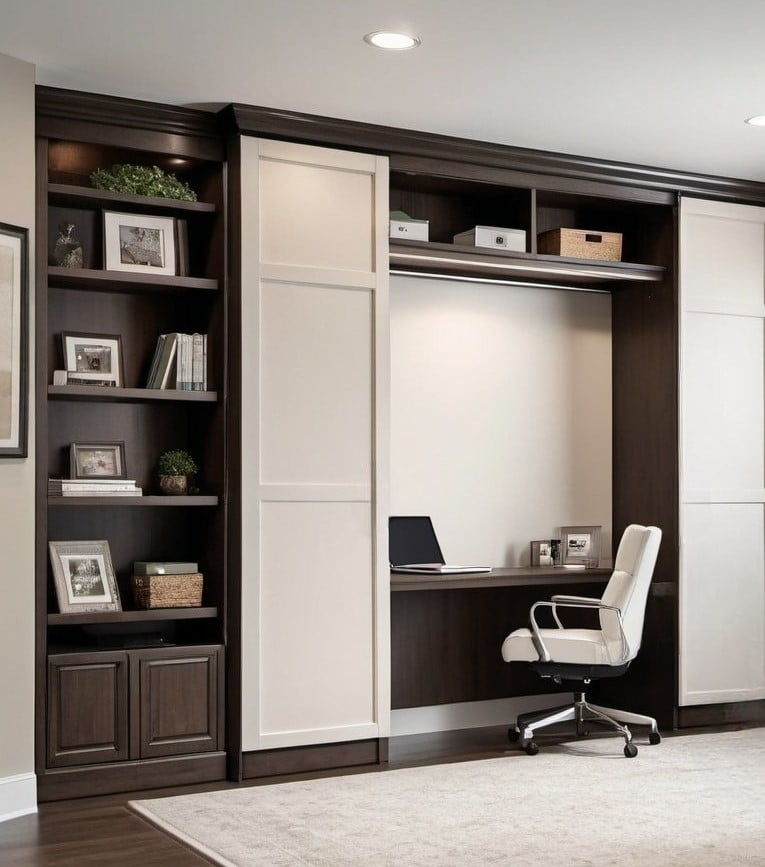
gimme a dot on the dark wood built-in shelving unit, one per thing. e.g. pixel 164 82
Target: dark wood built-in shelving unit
pixel 141 663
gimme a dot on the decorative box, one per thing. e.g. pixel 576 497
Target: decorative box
pixel 168 591
pixel 410 230
pixel 581 244
pixel 493 236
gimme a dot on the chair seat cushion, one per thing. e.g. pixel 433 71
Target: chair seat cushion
pixel 583 646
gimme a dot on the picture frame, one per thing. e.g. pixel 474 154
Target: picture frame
pixel 14 339
pixel 545 552
pixel 103 460
pixel 139 243
pixel 84 576
pixel 92 359
pixel 580 546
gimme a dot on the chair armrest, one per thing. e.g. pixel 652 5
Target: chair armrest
pixel 563 598
pixel 595 604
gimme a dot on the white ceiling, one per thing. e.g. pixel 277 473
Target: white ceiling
pixel 666 83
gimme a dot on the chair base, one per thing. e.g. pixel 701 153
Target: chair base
pixel 581 712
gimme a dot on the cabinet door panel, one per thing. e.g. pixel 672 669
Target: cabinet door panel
pixel 175 701
pixel 87 708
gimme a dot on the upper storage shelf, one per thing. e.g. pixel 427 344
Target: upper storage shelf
pixel 66 195
pixel 454 198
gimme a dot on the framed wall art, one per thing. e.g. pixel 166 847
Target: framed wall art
pixel 14 323
pixel 84 576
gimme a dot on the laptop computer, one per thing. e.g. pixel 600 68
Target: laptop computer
pixel 413 547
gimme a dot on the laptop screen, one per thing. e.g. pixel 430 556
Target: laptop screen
pixel 412 540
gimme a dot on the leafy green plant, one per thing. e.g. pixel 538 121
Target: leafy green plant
pixel 143 180
pixel 176 463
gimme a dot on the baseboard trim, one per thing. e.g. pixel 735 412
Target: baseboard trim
pixel 18 796
pixel 313 757
pixel 721 714
pixel 469 714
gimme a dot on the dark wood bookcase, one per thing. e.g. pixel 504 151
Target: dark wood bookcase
pixel 152 680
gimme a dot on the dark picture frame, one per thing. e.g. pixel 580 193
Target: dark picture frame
pixel 14 340
pixel 84 576
pixel 102 460
pixel 92 359
pixel 140 243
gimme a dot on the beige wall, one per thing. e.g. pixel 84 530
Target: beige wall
pixel 17 169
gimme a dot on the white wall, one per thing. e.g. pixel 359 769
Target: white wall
pixel 500 414
pixel 17 169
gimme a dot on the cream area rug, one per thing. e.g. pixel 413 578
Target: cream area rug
pixel 691 800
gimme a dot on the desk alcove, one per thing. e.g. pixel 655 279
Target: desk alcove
pixel 446 631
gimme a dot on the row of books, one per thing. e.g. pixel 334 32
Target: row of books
pixel 180 362
pixel 93 488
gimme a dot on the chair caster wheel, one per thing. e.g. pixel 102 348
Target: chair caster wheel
pixel 630 750
pixel 513 734
pixel 654 738
pixel 531 748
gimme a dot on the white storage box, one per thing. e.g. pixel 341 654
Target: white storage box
pixel 493 236
pixel 409 230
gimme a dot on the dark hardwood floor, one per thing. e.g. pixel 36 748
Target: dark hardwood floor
pixel 103 832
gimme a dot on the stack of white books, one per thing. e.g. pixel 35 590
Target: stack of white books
pixel 180 361
pixel 93 488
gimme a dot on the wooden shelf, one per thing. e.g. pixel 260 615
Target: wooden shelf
pixel 67 195
pixel 129 395
pixel 94 280
pixel 150 500
pixel 147 616
pixel 420 257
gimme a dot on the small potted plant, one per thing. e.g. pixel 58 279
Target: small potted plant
pixel 175 467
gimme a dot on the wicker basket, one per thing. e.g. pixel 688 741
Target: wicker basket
pixel 168 591
pixel 581 244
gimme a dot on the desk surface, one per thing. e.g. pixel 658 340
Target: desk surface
pixel 519 576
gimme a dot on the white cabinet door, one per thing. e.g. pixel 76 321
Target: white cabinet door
pixel 315 604
pixel 722 457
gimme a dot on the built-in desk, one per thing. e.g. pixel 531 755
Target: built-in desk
pixel 447 631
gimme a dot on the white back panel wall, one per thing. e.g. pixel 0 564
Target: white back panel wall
pixel 315 587
pixel 722 484
pixel 500 413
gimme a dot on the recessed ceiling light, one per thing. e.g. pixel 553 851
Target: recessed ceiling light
pixel 757 120
pixel 391 41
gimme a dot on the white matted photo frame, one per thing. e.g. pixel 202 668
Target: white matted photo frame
pixel 92 358
pixel 84 576
pixel 580 546
pixel 139 243
pixel 105 460
pixel 14 324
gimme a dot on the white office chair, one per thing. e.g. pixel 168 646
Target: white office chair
pixel 589 654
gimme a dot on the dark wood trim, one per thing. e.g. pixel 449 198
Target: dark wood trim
pixel 129 395
pixel 149 615
pixel 106 779
pixel 150 500
pixel 721 714
pixel 315 757
pixel 73 196
pixel 296 126
pixel 97 280
pixel 233 445
pixel 130 123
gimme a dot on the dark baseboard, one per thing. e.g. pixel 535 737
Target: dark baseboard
pixel 721 714
pixel 314 757
pixel 65 783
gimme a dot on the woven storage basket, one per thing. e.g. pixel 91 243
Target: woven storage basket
pixel 168 591
pixel 581 244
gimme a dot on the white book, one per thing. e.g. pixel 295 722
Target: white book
pixel 197 359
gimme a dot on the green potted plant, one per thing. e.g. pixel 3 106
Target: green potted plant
pixel 175 467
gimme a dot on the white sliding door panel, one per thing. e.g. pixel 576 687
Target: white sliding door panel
pixel 722 454
pixel 724 653
pixel 316 375
pixel 316 617
pixel 723 400
pixel 315 595
pixel 725 247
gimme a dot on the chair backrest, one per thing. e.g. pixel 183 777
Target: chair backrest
pixel 627 589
